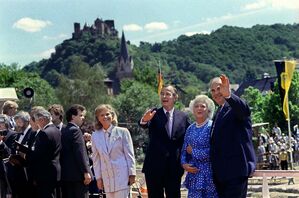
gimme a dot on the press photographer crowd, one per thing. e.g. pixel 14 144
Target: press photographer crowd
pixel 41 157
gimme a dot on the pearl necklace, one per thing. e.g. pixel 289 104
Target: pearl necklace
pixel 198 125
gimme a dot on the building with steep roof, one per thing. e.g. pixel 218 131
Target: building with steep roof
pixel 125 66
pixel 264 85
pixel 125 61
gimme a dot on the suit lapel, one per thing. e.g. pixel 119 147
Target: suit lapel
pixel 219 119
pixel 112 139
pixel 26 138
pixel 162 120
pixel 102 141
pixel 174 123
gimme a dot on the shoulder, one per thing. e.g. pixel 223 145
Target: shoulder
pixel 180 113
pixel 159 111
pixel 51 129
pixel 190 127
pixel 121 129
pixel 70 127
pixel 96 134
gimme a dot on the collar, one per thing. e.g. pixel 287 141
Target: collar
pixel 60 125
pixel 74 124
pixel 47 125
pixel 26 130
pixel 109 130
pixel 170 112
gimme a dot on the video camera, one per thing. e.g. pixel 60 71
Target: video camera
pixel 3 132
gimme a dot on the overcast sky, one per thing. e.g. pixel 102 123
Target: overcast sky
pixel 30 29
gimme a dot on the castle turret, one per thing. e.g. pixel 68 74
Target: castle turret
pixel 76 33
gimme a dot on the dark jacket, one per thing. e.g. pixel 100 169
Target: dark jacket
pixel 162 149
pixel 74 159
pixel 44 159
pixel 232 152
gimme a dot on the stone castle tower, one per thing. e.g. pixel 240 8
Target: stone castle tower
pixel 100 28
pixel 125 61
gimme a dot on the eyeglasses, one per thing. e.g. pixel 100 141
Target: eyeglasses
pixel 166 94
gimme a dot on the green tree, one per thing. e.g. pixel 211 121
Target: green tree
pixel 11 76
pixel 84 85
pixel 268 107
pixel 134 100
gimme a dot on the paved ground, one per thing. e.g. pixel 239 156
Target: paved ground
pixel 278 187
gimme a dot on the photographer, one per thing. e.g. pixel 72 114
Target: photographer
pixel 18 176
pixel 7 138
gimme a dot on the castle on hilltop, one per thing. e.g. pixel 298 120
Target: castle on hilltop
pixel 124 64
pixel 99 28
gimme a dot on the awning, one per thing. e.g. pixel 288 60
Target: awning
pixel 8 94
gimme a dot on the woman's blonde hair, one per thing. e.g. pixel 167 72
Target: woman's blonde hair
pixel 101 108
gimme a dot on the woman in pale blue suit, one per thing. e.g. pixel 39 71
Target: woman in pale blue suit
pixel 195 157
pixel 112 154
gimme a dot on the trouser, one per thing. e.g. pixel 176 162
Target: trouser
pixel 233 188
pixel 74 189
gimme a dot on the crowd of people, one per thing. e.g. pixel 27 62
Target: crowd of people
pixel 43 158
pixel 275 149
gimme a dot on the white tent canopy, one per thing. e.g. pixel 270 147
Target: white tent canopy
pixel 8 94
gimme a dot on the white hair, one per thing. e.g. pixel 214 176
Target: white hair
pixel 204 99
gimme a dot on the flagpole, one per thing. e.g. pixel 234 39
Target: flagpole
pixel 290 133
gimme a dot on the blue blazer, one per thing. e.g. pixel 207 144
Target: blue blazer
pixel 232 152
pixel 161 148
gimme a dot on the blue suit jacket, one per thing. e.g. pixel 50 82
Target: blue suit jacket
pixel 161 149
pixel 232 152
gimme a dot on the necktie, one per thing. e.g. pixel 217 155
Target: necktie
pixel 168 124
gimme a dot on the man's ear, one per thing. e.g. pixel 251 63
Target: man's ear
pixel 176 97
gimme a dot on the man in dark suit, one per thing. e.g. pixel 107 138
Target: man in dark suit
pixel 19 176
pixel 232 153
pixel 167 127
pixel 7 139
pixel 44 159
pixel 76 173
pixel 57 113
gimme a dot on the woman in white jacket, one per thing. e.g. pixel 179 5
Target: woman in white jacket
pixel 113 154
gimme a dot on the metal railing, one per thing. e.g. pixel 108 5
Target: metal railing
pixel 273 173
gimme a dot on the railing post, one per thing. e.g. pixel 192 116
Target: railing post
pixel 265 188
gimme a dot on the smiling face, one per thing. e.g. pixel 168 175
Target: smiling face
pixel 168 97
pixel 215 91
pixel 105 118
pixel 200 111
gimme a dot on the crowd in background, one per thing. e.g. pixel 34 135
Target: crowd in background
pixel 275 148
